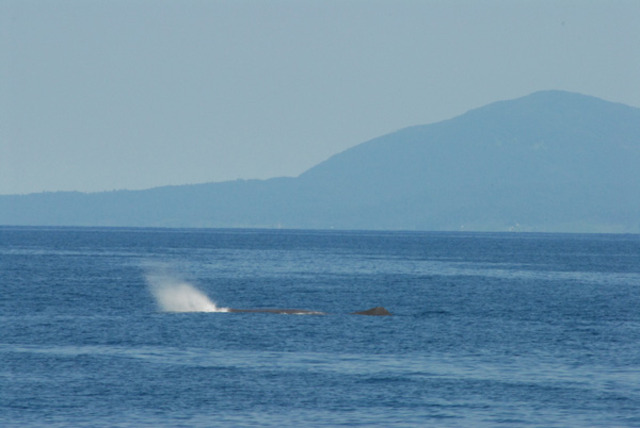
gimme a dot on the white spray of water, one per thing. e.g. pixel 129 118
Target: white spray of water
pixel 174 295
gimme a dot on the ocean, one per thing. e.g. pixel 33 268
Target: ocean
pixel 127 328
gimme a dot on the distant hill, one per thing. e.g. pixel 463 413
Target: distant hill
pixel 551 161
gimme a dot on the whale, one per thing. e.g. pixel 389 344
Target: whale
pixel 377 311
pixel 278 311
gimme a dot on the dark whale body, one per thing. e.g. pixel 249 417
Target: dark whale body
pixel 377 311
pixel 279 311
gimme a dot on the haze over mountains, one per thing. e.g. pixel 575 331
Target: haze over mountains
pixel 552 161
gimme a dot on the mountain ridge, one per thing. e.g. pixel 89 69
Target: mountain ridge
pixel 549 161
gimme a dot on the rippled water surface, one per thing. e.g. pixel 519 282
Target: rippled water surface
pixel 126 327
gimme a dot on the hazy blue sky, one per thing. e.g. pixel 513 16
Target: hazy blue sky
pixel 103 95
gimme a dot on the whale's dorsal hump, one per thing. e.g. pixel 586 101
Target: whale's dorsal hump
pixel 377 311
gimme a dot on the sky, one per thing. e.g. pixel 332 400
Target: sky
pixel 133 94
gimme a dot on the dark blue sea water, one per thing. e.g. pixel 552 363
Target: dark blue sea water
pixel 488 329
